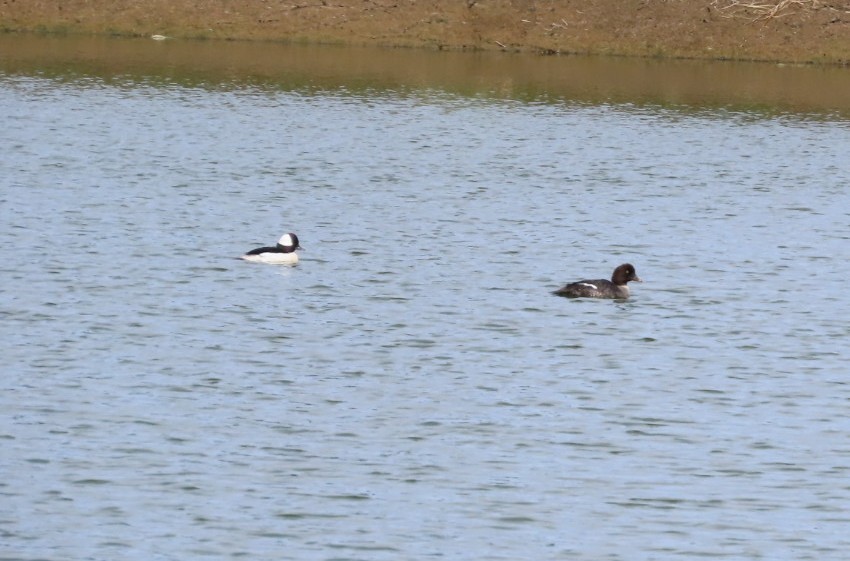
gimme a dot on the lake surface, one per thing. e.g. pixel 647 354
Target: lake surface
pixel 412 390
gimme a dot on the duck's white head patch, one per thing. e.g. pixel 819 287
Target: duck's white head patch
pixel 285 240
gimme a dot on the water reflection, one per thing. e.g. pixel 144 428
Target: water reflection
pixel 767 89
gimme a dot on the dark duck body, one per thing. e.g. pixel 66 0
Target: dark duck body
pixel 616 288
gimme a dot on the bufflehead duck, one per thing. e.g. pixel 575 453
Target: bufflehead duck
pixel 282 254
pixel 617 287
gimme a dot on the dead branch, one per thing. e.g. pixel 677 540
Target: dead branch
pixel 763 11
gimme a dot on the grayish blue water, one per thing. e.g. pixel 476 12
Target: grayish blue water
pixel 412 390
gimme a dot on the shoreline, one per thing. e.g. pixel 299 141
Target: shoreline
pixel 803 31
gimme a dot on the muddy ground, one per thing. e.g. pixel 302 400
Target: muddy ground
pixel 787 31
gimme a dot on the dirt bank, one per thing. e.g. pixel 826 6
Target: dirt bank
pixel 789 31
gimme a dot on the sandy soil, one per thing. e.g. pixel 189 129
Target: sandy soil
pixel 786 30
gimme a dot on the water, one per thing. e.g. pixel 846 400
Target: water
pixel 412 390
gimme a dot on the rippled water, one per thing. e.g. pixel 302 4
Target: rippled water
pixel 411 389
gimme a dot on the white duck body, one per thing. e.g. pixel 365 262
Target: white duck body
pixel 281 254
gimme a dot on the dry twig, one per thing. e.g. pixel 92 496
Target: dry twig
pixel 763 11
